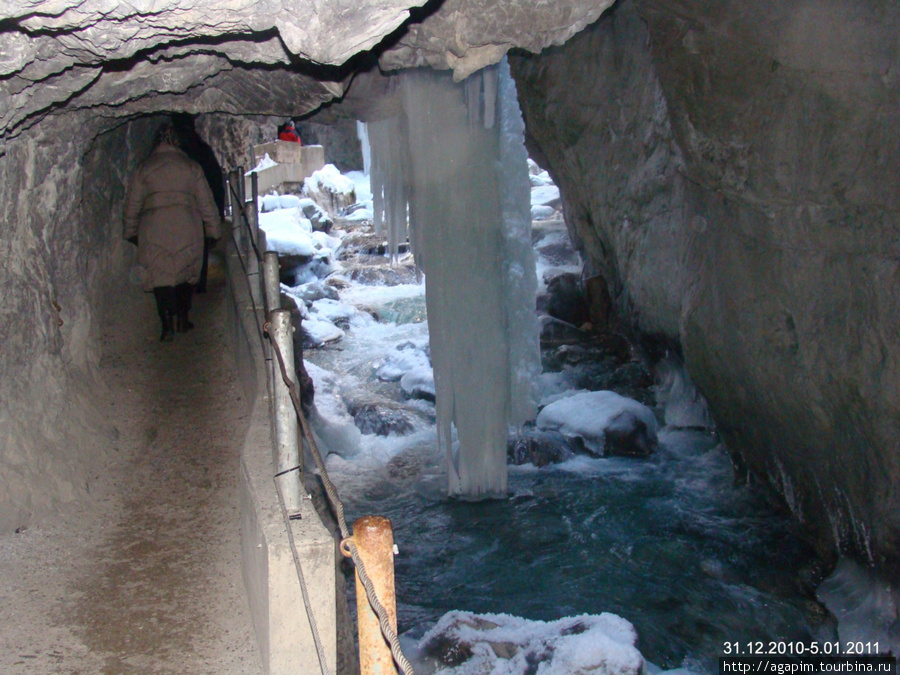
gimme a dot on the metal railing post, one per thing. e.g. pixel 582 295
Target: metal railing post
pixel 271 280
pixel 287 452
pixel 242 189
pixel 374 541
pixel 253 271
pixel 237 207
pixel 226 181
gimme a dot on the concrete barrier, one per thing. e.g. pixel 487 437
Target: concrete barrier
pixel 295 164
pixel 277 608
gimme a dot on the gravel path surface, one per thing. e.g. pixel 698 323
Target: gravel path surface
pixel 145 576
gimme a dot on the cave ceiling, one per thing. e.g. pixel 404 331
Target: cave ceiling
pixel 116 60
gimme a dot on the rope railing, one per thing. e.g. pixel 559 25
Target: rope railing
pixel 347 545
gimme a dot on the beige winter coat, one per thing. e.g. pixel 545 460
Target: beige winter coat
pixel 170 208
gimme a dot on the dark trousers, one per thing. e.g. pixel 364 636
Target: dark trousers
pixel 172 302
pixel 204 270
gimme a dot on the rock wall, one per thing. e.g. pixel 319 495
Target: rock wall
pixel 732 174
pixel 342 147
pixel 60 257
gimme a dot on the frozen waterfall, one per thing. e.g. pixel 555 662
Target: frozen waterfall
pixel 456 164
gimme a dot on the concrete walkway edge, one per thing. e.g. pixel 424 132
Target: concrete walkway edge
pixel 279 615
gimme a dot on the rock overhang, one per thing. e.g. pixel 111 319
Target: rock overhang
pixel 272 57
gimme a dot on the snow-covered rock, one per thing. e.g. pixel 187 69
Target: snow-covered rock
pixel 330 190
pixel 402 359
pixel 320 331
pixel 542 212
pixel 274 202
pixel 419 383
pixel 339 313
pixel 606 422
pixel 545 195
pixel 312 291
pixel 472 644
pixel 288 232
pixel 318 216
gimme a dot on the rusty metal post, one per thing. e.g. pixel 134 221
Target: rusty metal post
pixel 272 283
pixel 287 449
pixel 374 541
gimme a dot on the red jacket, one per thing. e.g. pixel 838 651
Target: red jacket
pixel 289 135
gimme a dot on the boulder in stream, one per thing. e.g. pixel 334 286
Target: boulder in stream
pixel 605 422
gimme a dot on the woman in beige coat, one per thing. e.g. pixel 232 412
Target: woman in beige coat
pixel 169 210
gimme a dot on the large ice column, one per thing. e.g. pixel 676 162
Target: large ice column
pixel 469 182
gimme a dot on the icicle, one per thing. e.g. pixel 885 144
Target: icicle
pixel 390 180
pixel 489 77
pixel 459 240
pixel 379 144
pixel 472 86
pixel 520 275
pixel 362 133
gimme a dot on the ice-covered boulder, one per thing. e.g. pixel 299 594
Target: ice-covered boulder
pixel 542 212
pixel 276 202
pixel 288 232
pixel 471 644
pixel 321 221
pixel 402 359
pixel 328 188
pixel 419 383
pixel 605 422
pixel 545 195
pixel 339 313
pixel 319 331
pixel 314 290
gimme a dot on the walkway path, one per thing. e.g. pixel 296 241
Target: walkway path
pixel 145 577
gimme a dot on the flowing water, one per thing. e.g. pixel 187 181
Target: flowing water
pixel 668 542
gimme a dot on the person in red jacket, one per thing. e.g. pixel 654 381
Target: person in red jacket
pixel 289 133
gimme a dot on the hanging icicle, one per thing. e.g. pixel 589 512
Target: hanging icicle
pixel 480 278
pixel 389 180
pixel 362 133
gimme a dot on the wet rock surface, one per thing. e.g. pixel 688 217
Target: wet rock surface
pixel 378 270
pixel 712 210
pixel 528 445
pixel 381 416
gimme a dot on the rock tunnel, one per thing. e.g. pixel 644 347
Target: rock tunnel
pixel 729 174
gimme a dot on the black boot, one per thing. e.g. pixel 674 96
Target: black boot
pixel 183 293
pixel 165 307
pixel 168 334
pixel 182 323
